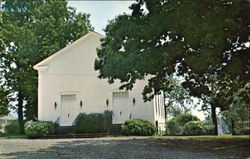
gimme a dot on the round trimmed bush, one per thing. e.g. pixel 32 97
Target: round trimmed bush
pixel 176 124
pixel 12 127
pixel 182 119
pixel 40 129
pixel 193 128
pixel 208 129
pixel 172 127
pixel 138 127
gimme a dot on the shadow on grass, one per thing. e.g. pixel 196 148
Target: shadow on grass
pixel 123 148
pixel 13 136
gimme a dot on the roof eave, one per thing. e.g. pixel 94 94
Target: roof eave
pixel 41 67
pixel 43 63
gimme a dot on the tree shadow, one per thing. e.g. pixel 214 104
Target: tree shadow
pixel 106 148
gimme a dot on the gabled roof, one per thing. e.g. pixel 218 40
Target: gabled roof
pixel 43 63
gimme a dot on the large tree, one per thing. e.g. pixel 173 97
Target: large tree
pixel 198 41
pixel 30 32
pixel 177 99
pixel 3 103
pixel 238 112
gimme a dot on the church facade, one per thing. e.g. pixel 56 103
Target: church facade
pixel 68 85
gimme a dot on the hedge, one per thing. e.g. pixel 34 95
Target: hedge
pixel 93 123
pixel 40 129
pixel 138 127
pixel 187 124
pixel 12 127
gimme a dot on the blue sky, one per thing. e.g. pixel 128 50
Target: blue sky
pixel 101 11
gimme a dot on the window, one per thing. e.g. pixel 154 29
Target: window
pixel 68 97
pixel 120 94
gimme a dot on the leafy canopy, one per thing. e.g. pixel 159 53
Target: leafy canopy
pixel 31 31
pixel 196 41
pixel 3 103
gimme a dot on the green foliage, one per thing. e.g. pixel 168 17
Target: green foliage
pixel 12 127
pixel 178 98
pixel 138 127
pixel 187 124
pixel 93 123
pixel 172 127
pixel 192 128
pixel 30 32
pixel 239 111
pixel 175 125
pixel 202 42
pixel 182 119
pixel 207 129
pixel 243 131
pixel 177 109
pixel 40 129
pixel 108 119
pixel 197 128
pixel 13 136
pixel 3 102
pixel 192 39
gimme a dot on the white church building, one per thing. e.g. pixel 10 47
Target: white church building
pixel 68 85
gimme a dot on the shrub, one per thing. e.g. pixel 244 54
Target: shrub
pixel 173 128
pixel 243 131
pixel 207 129
pixel 176 124
pixel 138 127
pixel 93 123
pixel 29 123
pixel 12 127
pixel 192 128
pixel 182 119
pixel 40 129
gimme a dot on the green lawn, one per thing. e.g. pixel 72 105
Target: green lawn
pixel 13 136
pixel 224 144
pixel 207 138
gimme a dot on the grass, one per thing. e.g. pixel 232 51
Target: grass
pixel 208 141
pixel 224 144
pixel 13 136
pixel 227 146
pixel 207 138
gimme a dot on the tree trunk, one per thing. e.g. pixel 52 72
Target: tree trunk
pixel 232 127
pixel 242 122
pixel 165 105
pixel 20 112
pixel 214 118
pixel 165 110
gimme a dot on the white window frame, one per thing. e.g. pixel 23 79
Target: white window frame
pixel 68 97
pixel 123 94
